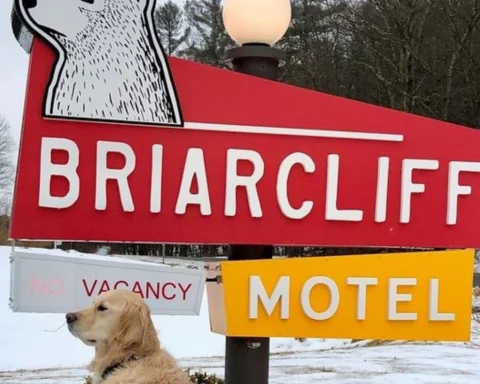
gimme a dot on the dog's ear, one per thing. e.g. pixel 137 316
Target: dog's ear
pixel 134 330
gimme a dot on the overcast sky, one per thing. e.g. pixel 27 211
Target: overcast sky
pixel 13 71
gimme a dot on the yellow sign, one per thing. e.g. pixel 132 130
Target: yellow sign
pixel 401 296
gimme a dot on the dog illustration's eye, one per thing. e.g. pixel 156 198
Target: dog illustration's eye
pixel 102 308
pixel 88 1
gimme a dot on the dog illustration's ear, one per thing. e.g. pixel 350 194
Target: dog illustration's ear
pixel 144 3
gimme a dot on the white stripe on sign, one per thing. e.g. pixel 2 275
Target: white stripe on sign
pixel 295 132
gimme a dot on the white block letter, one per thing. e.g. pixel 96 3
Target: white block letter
pixel 331 210
pixel 382 189
pixel 156 180
pixel 249 182
pixel 120 175
pixel 394 297
pixel 334 298
pixel 68 171
pixel 281 293
pixel 408 187
pixel 282 181
pixel 433 314
pixel 455 189
pixel 194 167
pixel 362 283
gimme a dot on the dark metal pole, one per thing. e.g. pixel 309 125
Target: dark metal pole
pixel 247 359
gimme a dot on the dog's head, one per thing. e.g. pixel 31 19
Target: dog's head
pixel 116 319
pixel 75 20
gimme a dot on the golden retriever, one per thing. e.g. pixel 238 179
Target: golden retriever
pixel 127 349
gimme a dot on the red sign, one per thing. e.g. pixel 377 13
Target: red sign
pixel 237 159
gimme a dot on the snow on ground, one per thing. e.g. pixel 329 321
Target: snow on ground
pixel 31 351
pixel 400 364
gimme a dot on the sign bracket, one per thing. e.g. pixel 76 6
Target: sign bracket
pixel 217 279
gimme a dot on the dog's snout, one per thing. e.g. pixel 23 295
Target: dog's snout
pixel 71 317
pixel 30 3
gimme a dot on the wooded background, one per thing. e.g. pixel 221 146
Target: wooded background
pixel 417 56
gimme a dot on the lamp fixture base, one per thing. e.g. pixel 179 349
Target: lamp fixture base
pixel 259 60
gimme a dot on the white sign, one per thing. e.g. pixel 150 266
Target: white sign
pixel 60 284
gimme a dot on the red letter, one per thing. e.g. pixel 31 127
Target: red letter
pixel 157 293
pixel 61 288
pixel 120 282
pixel 164 294
pixel 184 291
pixel 104 288
pixel 138 289
pixel 37 285
pixel 89 293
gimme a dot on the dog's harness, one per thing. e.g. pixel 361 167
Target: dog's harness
pixel 115 366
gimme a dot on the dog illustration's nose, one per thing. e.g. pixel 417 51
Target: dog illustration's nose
pixel 71 317
pixel 30 3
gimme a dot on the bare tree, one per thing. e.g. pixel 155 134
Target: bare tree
pixel 5 204
pixel 463 22
pixel 7 146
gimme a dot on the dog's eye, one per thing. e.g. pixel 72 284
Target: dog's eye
pixel 102 308
pixel 88 1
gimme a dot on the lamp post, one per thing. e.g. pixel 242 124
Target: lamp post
pixel 256 25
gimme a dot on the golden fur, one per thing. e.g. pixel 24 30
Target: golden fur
pixel 119 326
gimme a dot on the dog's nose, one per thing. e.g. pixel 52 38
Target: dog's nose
pixel 71 317
pixel 30 3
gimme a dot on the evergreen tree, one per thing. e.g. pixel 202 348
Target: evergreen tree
pixel 208 41
pixel 169 22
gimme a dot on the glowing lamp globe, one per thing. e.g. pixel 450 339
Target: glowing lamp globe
pixel 256 21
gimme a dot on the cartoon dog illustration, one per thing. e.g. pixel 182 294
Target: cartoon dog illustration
pixel 110 64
